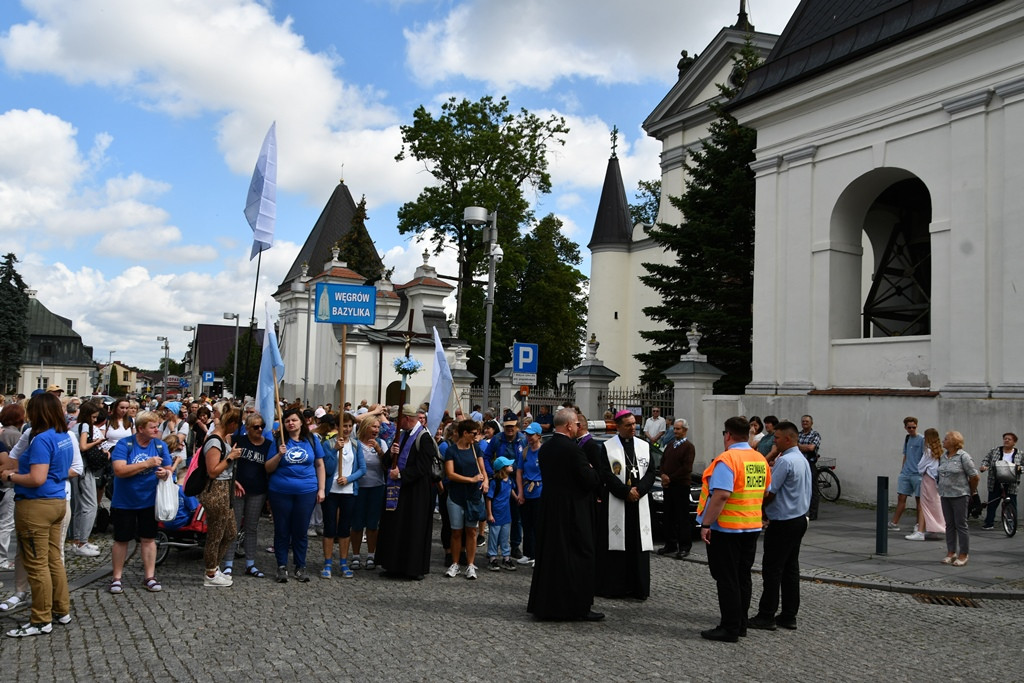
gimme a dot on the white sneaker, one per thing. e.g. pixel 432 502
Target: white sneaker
pixel 218 580
pixel 84 550
pixel 91 546
pixel 453 571
pixel 524 560
pixel 916 536
pixel 471 572
pixel 893 527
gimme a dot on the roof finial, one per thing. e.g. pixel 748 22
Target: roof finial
pixel 615 140
pixel 341 180
pixel 742 22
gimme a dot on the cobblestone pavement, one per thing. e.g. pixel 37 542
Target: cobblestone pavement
pixel 372 628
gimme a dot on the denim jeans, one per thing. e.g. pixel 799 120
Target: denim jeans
pixel 291 520
pixel 497 539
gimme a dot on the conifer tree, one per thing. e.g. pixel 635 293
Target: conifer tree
pixel 357 249
pixel 14 330
pixel 711 282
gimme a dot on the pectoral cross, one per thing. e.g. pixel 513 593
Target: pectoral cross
pixel 633 472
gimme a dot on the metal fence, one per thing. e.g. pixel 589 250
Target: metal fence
pixel 634 398
pixel 552 398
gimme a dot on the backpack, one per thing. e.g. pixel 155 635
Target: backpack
pixel 95 459
pixel 197 479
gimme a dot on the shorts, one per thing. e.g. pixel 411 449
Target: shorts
pixel 909 485
pixel 468 514
pixel 337 509
pixel 129 524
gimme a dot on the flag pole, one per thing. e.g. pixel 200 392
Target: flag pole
pixel 252 318
pixel 344 349
pixel 277 407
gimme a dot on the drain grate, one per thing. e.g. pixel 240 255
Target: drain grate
pixel 946 600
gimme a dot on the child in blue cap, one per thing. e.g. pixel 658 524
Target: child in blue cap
pixel 499 516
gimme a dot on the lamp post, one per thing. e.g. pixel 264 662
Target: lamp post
pixel 475 215
pixel 309 311
pixel 234 378
pixel 167 350
pixel 192 374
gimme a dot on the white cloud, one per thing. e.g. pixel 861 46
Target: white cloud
pixel 126 311
pixel 534 43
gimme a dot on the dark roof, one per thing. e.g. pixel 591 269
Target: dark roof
pixel 51 339
pixel 214 343
pixel 824 34
pixel 335 221
pixel 613 224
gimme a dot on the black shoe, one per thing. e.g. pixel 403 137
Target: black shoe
pixel 786 622
pixel 761 622
pixel 719 634
pixel 300 575
pixel 481 541
pixel 681 554
pixel 282 574
pixel 667 550
pixel 594 616
pixel 516 553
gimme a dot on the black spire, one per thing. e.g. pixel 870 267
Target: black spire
pixel 742 22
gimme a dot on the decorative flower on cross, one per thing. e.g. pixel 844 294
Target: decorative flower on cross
pixel 405 366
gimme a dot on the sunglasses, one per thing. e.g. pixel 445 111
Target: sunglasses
pixel 258 426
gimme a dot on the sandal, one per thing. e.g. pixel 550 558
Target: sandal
pixel 345 571
pixel 254 572
pixel 949 560
pixel 152 585
pixel 370 564
pixel 115 587
pixel 12 602
pixel 227 571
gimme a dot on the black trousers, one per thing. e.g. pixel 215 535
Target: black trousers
pixel 678 534
pixel 812 512
pixel 730 557
pixel 780 567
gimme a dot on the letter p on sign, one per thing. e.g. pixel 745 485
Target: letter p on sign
pixel 524 357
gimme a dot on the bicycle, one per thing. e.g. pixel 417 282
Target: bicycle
pixel 1008 509
pixel 828 481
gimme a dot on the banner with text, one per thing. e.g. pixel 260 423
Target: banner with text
pixel 346 304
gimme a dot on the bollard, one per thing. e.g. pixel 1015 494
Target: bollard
pixel 882 517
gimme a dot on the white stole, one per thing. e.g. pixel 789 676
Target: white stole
pixel 617 506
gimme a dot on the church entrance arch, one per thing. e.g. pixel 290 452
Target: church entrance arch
pixel 881 257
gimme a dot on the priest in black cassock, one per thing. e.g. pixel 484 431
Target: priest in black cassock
pixel 627 472
pixel 594 451
pixel 563 576
pixel 406 526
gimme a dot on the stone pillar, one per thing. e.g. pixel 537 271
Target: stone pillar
pixel 462 380
pixel 590 379
pixel 692 378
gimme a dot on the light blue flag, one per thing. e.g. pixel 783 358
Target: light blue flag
pixel 440 388
pixel 270 362
pixel 261 204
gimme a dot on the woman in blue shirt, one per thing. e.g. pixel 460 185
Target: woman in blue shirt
pixel 529 483
pixel 250 489
pixel 464 468
pixel 39 508
pixel 296 486
pixel 345 466
pixel 138 461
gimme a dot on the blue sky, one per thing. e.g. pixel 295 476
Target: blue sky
pixel 130 129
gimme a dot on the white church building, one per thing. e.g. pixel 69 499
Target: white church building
pixel 888 247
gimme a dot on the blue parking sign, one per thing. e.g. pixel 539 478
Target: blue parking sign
pixel 524 357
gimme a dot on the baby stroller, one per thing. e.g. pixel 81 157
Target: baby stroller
pixel 186 530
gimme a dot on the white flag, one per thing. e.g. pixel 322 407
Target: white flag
pixel 440 387
pixel 261 204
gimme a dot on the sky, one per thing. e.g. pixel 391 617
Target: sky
pixel 129 130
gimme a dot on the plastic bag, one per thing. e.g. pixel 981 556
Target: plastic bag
pixel 166 500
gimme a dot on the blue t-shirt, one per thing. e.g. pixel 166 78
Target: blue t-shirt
pixel 499 500
pixel 138 491
pixel 464 464
pixel 527 462
pixel 296 471
pixel 49 448
pixel 913 449
pixel 250 471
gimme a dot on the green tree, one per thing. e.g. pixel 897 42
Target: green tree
pixel 357 249
pixel 539 299
pixel 246 380
pixel 479 154
pixel 14 330
pixel 648 196
pixel 711 282
pixel 114 387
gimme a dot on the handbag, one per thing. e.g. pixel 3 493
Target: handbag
pixel 436 464
pixel 166 500
pixel 95 459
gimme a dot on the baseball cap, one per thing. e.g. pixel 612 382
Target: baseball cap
pixel 54 387
pixel 534 428
pixel 502 462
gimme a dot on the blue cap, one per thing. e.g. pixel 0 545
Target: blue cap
pixel 37 392
pixel 501 462
pixel 534 428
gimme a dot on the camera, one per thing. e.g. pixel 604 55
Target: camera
pixel 497 254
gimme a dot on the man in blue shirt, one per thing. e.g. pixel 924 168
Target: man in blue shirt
pixel 909 481
pixel 786 503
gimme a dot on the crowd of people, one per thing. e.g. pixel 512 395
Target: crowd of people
pixel 574 508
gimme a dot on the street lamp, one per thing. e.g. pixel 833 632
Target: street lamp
pixel 110 359
pixel 475 215
pixel 192 375
pixel 234 378
pixel 167 349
